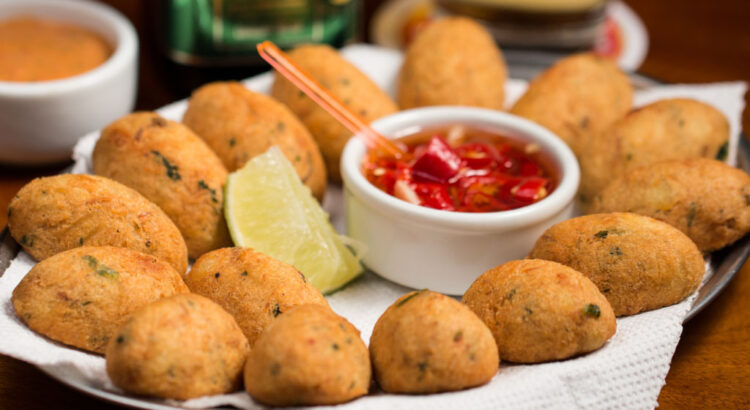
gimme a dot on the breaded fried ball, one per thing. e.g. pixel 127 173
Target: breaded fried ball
pixel 427 342
pixel 341 79
pixel 707 200
pixel 309 356
pixel 180 347
pixel 454 61
pixel 540 311
pixel 670 129
pixel 253 287
pixel 239 124
pixel 577 98
pixel 81 296
pixel 171 166
pixel 637 262
pixel 52 214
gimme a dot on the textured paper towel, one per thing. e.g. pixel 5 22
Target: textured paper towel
pixel 627 372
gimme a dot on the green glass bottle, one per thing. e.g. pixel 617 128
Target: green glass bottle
pixel 225 32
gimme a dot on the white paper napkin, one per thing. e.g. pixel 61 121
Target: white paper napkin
pixel 628 372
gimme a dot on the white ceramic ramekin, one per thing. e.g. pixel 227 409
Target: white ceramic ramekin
pixel 41 121
pixel 445 251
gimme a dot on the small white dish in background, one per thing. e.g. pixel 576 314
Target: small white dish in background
pixel 40 122
pixel 445 251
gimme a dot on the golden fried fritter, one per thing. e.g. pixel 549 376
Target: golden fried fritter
pixel 53 214
pixel 341 79
pixel 454 61
pixel 239 124
pixel 540 310
pixel 171 166
pixel 638 263
pixel 577 98
pixel 309 356
pixel 706 199
pixel 253 287
pixel 670 129
pixel 81 296
pixel 427 342
pixel 180 347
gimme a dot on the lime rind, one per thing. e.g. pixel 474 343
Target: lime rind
pixel 346 260
pixel 268 208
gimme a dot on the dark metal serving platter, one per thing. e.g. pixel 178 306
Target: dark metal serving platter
pixel 724 263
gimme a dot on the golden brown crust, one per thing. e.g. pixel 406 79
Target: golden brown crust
pixel 669 129
pixel 81 296
pixel 53 214
pixel 577 98
pixel 707 200
pixel 253 287
pixel 171 166
pixel 344 81
pixel 540 311
pixel 637 262
pixel 239 124
pixel 309 356
pixel 454 61
pixel 426 342
pixel 179 347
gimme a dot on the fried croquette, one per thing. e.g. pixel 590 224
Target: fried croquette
pixel 180 347
pixel 309 356
pixel 637 262
pixel 454 61
pixel 541 310
pixel 341 79
pixel 253 287
pixel 707 200
pixel 665 130
pixel 577 98
pixel 81 296
pixel 239 124
pixel 171 166
pixel 52 214
pixel 426 342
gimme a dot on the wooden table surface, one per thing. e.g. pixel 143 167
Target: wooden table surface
pixel 690 41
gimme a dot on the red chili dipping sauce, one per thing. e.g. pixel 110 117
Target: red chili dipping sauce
pixel 463 169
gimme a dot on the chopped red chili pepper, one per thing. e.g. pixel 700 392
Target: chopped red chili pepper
pixel 437 162
pixel 434 196
pixel 530 190
pixel 529 168
pixel 477 155
pixel 485 173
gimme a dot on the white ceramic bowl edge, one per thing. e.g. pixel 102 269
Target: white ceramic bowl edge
pixel 41 121
pixel 445 251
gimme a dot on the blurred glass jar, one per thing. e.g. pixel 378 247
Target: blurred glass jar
pixel 225 32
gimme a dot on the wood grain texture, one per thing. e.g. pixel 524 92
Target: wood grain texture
pixel 690 41
pixel 699 41
pixel 695 41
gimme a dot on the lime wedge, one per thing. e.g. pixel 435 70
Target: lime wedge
pixel 267 208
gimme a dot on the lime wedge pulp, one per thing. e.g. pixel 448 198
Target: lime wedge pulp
pixel 267 208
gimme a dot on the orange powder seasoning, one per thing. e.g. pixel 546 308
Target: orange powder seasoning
pixel 40 50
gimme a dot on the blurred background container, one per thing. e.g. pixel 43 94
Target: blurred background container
pixel 225 32
pixel 532 33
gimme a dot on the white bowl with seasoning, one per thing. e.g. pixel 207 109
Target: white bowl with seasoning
pixel 42 118
pixel 421 247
